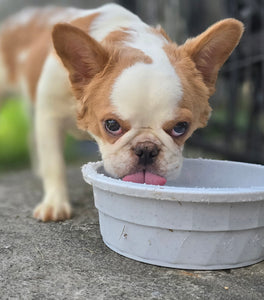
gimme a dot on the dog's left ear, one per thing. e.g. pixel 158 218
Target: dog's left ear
pixel 82 55
pixel 211 49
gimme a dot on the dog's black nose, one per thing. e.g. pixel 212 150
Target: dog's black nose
pixel 146 152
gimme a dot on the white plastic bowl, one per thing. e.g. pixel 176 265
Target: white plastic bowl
pixel 211 217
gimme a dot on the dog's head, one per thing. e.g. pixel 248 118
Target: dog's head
pixel 141 110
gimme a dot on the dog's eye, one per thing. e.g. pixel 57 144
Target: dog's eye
pixel 179 129
pixel 113 127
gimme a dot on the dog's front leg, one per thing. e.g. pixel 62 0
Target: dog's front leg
pixel 51 115
pixel 49 139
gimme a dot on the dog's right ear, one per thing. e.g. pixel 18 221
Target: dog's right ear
pixel 212 48
pixel 82 55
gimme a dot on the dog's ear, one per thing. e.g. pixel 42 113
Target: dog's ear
pixel 82 55
pixel 211 49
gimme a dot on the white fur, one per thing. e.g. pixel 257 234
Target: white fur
pixel 144 91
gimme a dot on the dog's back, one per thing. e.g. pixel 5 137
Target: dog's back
pixel 24 44
pixel 25 40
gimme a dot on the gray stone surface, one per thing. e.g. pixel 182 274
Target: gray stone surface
pixel 68 260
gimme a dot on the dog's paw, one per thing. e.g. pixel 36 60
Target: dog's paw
pixel 52 211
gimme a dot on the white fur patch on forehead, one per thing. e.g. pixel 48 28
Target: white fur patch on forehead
pixel 147 94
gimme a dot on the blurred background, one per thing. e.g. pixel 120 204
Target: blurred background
pixel 236 128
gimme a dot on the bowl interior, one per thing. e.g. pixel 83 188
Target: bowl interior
pixel 202 173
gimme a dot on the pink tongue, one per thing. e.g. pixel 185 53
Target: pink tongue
pixel 145 177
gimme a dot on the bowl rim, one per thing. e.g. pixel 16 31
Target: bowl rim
pixel 173 193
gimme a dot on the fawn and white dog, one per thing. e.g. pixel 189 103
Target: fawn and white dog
pixel 106 75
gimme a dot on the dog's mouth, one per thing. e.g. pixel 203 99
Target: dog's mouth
pixel 145 177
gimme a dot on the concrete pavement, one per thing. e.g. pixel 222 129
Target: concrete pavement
pixel 68 260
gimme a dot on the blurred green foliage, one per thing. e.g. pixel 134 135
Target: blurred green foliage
pixel 14 127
